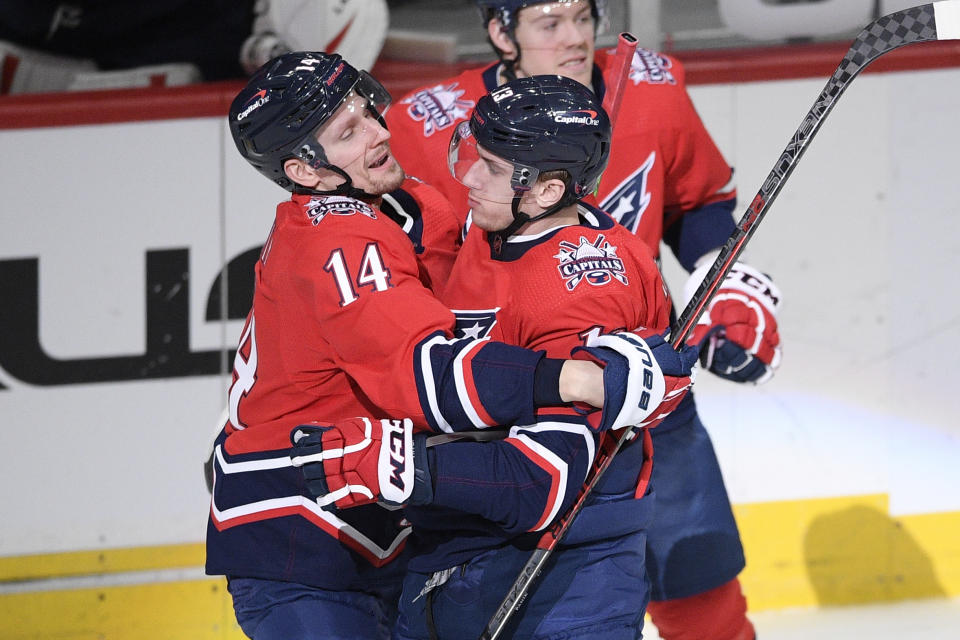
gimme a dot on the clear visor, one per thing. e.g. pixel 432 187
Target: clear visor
pixel 349 136
pixel 375 93
pixel 488 177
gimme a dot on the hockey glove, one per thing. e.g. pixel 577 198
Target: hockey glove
pixel 363 460
pixel 644 378
pixel 737 333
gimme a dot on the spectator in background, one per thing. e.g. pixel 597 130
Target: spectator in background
pixel 110 35
pixel 98 44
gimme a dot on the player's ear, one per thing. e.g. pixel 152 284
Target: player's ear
pixel 299 172
pixel 549 192
pixel 501 39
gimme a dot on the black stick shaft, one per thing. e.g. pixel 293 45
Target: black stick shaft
pixel 881 36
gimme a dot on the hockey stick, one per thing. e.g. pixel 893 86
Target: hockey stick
pixel 551 538
pixel 924 23
pixel 935 21
pixel 619 72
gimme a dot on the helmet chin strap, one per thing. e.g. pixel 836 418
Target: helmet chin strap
pixel 345 189
pixel 520 218
pixel 508 66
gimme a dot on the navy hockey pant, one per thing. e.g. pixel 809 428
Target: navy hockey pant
pixel 275 610
pixel 693 544
pixel 591 590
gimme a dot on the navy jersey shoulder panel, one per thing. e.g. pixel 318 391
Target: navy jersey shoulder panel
pixel 490 77
pixel 401 207
pixel 700 231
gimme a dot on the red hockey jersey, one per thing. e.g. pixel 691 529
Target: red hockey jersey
pixel 550 291
pixel 663 162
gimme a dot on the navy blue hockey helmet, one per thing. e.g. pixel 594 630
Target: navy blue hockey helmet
pixel 276 115
pixel 539 124
pixel 506 10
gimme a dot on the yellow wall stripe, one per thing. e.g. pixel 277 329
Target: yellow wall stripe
pixel 830 551
pixel 838 551
pixel 198 610
pixel 77 563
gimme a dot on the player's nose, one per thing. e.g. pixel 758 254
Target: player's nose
pixel 381 133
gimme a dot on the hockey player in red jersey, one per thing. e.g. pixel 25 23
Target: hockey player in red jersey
pixel 667 182
pixel 542 270
pixel 342 325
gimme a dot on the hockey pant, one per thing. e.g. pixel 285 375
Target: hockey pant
pixel 693 544
pixel 275 610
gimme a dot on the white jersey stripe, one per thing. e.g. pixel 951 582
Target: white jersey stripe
pixel 426 369
pixel 462 393
pixel 251 465
pixel 253 508
pixel 568 427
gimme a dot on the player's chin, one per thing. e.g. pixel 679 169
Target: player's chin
pixel 388 178
pixel 488 221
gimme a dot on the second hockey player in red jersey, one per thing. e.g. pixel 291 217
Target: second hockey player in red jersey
pixel 541 270
pixel 668 182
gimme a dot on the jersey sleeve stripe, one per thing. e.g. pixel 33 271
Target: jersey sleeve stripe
pixel 428 389
pixel 467 389
pixel 250 465
pixel 589 436
pixel 554 466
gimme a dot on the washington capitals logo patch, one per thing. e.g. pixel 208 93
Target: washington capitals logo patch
pixel 596 262
pixel 438 107
pixel 318 208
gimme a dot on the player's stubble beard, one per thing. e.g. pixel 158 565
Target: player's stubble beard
pixel 388 178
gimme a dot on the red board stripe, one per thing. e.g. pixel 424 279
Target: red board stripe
pixel 717 66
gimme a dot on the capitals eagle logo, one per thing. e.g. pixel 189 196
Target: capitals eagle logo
pixel 596 262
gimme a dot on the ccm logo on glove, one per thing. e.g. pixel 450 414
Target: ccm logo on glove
pixel 738 330
pixel 394 458
pixel 359 461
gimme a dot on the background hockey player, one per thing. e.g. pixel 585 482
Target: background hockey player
pixel 342 326
pixel 668 182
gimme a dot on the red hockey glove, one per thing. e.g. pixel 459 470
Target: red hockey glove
pixel 738 331
pixel 363 460
pixel 644 378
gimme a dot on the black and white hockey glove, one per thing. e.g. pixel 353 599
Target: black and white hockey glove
pixel 644 378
